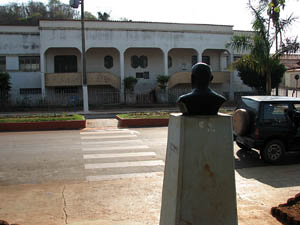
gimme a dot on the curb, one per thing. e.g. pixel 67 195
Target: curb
pixel 126 123
pixel 47 125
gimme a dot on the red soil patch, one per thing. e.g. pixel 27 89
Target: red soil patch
pixel 288 213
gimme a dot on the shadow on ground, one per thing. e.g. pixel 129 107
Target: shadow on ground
pixel 285 174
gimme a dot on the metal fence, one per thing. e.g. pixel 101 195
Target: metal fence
pixel 71 98
pixel 58 98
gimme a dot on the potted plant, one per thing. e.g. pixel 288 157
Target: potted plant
pixel 162 81
pixel 129 84
pixel 161 92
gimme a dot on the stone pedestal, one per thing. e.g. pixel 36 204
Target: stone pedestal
pixel 199 184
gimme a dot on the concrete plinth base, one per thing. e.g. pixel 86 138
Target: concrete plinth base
pixel 199 184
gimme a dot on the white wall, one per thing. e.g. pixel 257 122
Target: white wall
pixel 155 67
pixel 113 38
pixel 20 79
pixel 19 44
pixel 95 60
pixel 122 35
pixel 181 57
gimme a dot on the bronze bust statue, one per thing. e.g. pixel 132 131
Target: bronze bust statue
pixel 202 100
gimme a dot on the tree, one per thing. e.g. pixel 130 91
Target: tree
pixel 12 13
pixel 261 42
pixel 58 10
pixel 35 11
pixel 32 12
pixel 249 75
pixel 103 16
pixel 89 16
pixel 4 88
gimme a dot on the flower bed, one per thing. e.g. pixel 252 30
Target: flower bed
pixel 31 123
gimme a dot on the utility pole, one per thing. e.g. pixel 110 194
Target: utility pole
pixel 75 4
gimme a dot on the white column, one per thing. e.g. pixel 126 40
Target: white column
pixel 122 75
pixel 165 61
pixel 221 61
pixel 231 84
pixel 199 53
pixel 43 71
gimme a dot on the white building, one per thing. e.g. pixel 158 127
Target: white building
pixel 45 60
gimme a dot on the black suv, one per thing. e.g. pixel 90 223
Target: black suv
pixel 269 124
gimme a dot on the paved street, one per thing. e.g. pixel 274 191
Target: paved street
pixel 118 153
pixel 111 176
pixel 88 155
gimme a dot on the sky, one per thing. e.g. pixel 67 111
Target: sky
pixel 221 12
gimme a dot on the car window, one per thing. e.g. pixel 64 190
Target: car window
pixel 275 112
pixel 297 106
pixel 250 104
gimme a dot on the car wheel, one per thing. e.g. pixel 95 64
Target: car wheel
pixel 240 122
pixel 273 151
pixel 243 147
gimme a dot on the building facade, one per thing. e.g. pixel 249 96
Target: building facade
pixel 292 64
pixel 45 61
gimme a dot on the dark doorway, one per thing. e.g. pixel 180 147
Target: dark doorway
pixel 65 64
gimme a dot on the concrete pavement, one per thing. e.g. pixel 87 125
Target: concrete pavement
pixel 136 201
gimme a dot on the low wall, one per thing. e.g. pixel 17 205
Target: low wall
pixel 51 125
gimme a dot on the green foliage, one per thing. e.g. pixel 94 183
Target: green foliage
pixel 30 13
pixel 103 16
pixel 4 88
pixel 89 16
pixel 162 81
pixel 41 118
pixel 129 83
pixel 247 67
pixel 145 115
pixel 240 43
pixel 266 31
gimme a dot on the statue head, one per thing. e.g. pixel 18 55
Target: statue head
pixel 201 75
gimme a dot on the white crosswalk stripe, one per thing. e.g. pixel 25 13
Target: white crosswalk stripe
pixel 107 137
pixel 119 131
pixel 111 142
pixel 115 148
pixel 124 164
pixel 122 176
pixel 118 154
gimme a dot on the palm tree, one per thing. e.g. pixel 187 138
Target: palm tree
pixel 103 16
pixel 261 42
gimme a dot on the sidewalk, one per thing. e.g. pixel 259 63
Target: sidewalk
pixel 137 201
pixel 108 112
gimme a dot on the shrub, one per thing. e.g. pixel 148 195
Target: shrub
pixel 129 83
pixel 4 87
pixel 162 81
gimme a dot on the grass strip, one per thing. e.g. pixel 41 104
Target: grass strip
pixel 40 118
pixel 157 115
pixel 145 115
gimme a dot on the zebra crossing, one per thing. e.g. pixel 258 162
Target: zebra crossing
pixel 117 154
